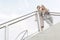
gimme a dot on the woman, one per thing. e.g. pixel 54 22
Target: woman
pixel 44 15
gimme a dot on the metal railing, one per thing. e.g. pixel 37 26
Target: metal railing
pixel 30 15
pixel 17 18
pixel 3 25
pixel 56 14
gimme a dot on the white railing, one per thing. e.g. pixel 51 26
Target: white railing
pixel 11 22
pixel 3 25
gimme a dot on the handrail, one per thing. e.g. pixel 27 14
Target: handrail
pixel 24 18
pixel 17 18
pixel 21 20
pixel 55 13
pixel 26 31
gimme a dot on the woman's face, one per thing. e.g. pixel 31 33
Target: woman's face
pixel 43 8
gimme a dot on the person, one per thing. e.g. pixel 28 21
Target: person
pixel 44 14
pixel 40 14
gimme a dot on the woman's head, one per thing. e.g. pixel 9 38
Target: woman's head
pixel 43 7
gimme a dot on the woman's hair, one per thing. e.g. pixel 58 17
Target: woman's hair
pixel 38 7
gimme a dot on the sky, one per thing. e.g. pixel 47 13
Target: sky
pixel 10 9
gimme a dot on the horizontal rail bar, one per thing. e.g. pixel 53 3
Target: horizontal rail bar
pixel 17 18
pixel 23 19
pixel 17 21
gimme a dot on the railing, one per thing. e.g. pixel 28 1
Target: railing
pixel 17 18
pixel 3 25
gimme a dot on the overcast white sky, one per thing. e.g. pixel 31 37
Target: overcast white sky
pixel 10 9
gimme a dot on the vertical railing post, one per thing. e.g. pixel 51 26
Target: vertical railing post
pixel 37 19
pixel 6 33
